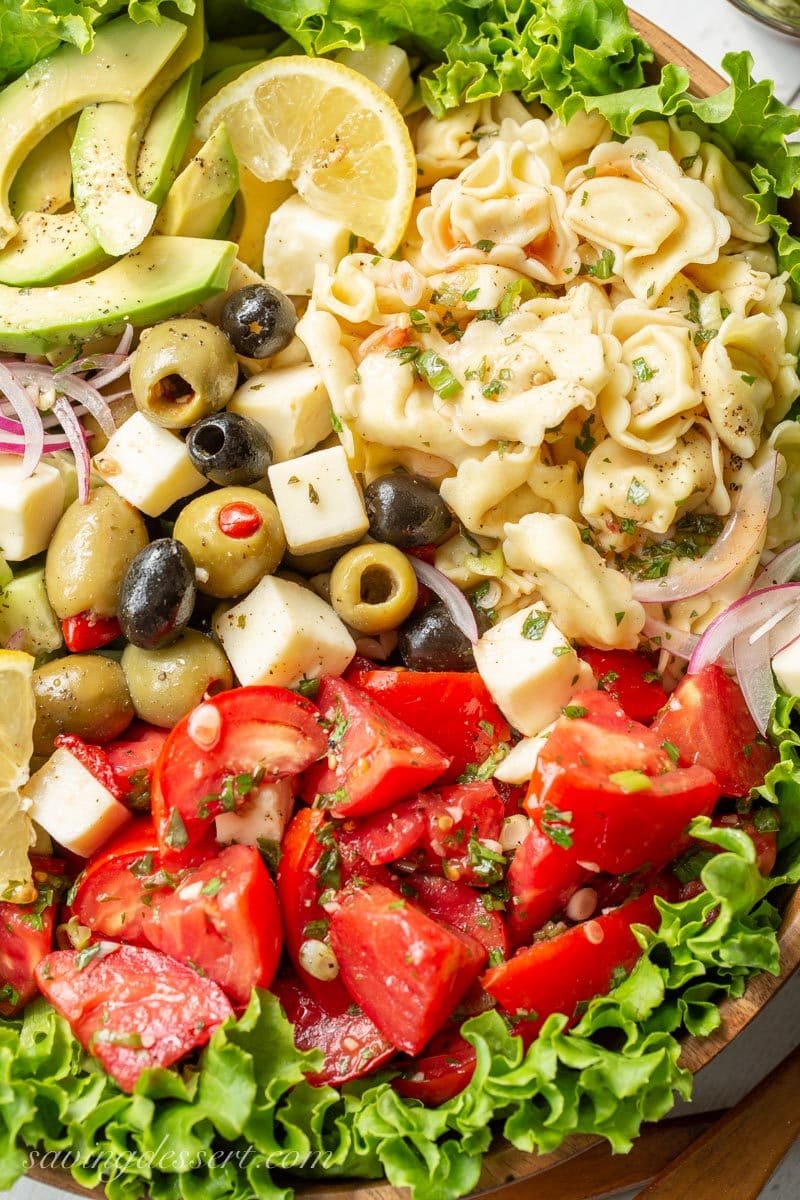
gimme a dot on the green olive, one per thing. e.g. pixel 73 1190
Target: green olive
pixel 183 370
pixel 322 585
pixel 166 684
pixel 85 694
pixel 312 564
pixel 235 538
pixel 122 409
pixel 91 549
pixel 373 588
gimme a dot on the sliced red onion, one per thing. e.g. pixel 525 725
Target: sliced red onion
pixel 782 569
pixel 742 617
pixel 112 373
pixel 77 440
pixel 739 539
pixel 674 641
pixel 452 597
pixel 17 640
pixel 29 417
pixel 77 389
pixel 754 672
pixel 126 341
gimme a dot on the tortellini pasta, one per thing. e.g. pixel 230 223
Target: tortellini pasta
pixel 590 601
pixel 487 493
pixel 784 525
pixel 446 145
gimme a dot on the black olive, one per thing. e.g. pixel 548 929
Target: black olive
pixel 406 511
pixel 259 320
pixel 158 594
pixel 431 641
pixel 229 449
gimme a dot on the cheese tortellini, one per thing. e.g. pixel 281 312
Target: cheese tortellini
pixel 583 342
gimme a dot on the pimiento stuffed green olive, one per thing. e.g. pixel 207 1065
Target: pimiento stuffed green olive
pixel 158 594
pixel 166 684
pixel 183 370
pixel 85 694
pixel 406 511
pixel 230 449
pixel 430 641
pixel 259 320
pixel 373 588
pixel 91 549
pixel 235 538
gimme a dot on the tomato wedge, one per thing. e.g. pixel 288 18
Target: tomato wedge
pixel 404 969
pixel 629 678
pixel 460 820
pixel 113 892
pixel 26 937
pixel 556 974
pixel 352 1045
pixel 441 1073
pixel 452 708
pixel 541 879
pixel 133 759
pixel 373 759
pixel 386 836
pixel 130 1007
pixel 462 908
pixel 218 754
pixel 223 919
pixel 708 723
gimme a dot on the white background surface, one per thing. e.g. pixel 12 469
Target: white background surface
pixel 710 28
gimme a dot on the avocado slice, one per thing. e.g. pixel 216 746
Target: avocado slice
pixel 24 605
pixel 163 277
pixel 202 193
pixel 53 248
pixel 255 204
pixel 44 181
pixel 106 148
pixel 125 60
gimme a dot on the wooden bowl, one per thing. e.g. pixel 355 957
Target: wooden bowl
pixel 504 1164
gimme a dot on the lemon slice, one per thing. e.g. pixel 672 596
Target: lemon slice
pixel 333 133
pixel 16 747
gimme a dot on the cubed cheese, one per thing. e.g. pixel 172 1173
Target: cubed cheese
pixel 786 665
pixel 72 806
pixel 148 466
pixel 517 766
pixel 530 677
pixel 319 502
pixel 298 240
pixel 30 508
pixel 263 816
pixel 292 405
pixel 282 633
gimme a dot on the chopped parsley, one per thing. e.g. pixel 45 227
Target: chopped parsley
pixel 556 825
pixel 672 750
pixel 534 625
pixel 176 836
pixel 331 799
pixel 642 371
pixel 602 269
pixel 585 442
pixel 575 711
pixel 484 245
pixel 212 887
pixel 336 424
pixel 638 493
pixel 481 772
pixel 487 865
pixel 694 534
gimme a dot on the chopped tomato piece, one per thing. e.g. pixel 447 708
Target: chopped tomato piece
pixel 707 722
pixel 130 1007
pixel 373 758
pixel 352 1045
pixel 462 908
pixel 223 919
pixel 87 631
pixel 556 974
pixel 114 890
pixel 594 730
pixel 630 679
pixel 26 937
pixel 132 759
pixel 404 969
pixel 310 866
pixel 541 879
pixel 461 820
pixel 386 836
pixel 441 1073
pixel 218 755
pixel 452 708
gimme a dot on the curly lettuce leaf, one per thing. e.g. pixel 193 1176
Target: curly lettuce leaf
pixel 222 1127
pixel 32 29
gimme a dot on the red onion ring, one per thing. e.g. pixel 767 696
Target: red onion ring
pixel 77 440
pixel 741 617
pixel 782 569
pixel 452 597
pixel 30 419
pixel 754 672
pixel 739 539
pixel 675 641
pixel 77 389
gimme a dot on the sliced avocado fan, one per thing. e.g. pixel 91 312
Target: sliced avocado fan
pixel 202 194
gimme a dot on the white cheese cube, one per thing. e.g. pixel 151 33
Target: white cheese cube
pixel 148 466
pixel 72 806
pixel 786 665
pixel 319 502
pixel 263 816
pixel 30 508
pixel 530 678
pixel 282 633
pixel 517 766
pixel 387 66
pixel 292 405
pixel 298 240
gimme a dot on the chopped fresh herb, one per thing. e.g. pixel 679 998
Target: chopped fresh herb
pixel 534 625
pixel 143 866
pixel 484 245
pixel 270 851
pixel 89 953
pixel 515 293
pixel 487 728
pixel 496 956
pixel 176 836
pixel 396 906
pixel 602 269
pixel 605 680
pixel 212 887
pixel 651 677
pixel 317 929
pixel 330 799
pixel 556 825
pixel 471 294
pixel 589 172
pixel 688 162
pixel 307 687
pixel 352 243
pixel 419 320
pixel 9 995
pixel 481 772
pixel 575 711
pixel 336 424
pixel 627 525
pixel 488 865
pixel 493 388
pixel 495 898
pixel 632 781
pixel 560 651
pixel 313 494
pixel 337 728
pixel 584 198
pixel 435 370
pixel 619 617
pixel 406 354
pixel 584 441
pixel 694 534
pixel 749 379
pixel 766 820
pixel 638 494
pixel 642 371
pixel 672 750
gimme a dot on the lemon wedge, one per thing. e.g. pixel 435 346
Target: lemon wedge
pixel 329 130
pixel 16 747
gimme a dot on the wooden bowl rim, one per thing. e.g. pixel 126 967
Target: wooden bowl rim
pixel 504 1164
